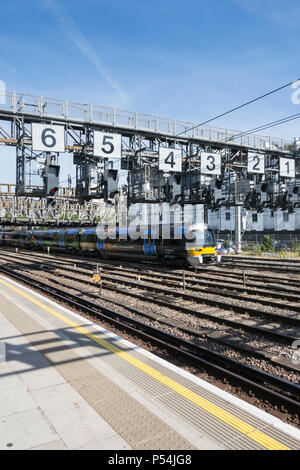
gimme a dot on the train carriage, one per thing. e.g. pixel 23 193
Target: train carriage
pixel 194 244
pixel 72 240
pixel 88 240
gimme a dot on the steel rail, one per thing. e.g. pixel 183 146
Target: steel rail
pixel 270 385
pixel 282 337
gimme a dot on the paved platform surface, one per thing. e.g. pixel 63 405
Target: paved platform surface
pixel 67 383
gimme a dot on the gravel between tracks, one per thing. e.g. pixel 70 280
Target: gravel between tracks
pixel 115 300
pixel 112 299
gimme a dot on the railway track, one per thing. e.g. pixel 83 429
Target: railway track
pixel 271 387
pixel 173 283
pixel 243 281
pixel 176 300
pixel 279 265
pixel 231 271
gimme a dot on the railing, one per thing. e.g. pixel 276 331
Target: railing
pixel 8 189
pixel 49 107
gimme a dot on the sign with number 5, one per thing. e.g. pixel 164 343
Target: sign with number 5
pixel 210 163
pixel 107 145
pixel 48 138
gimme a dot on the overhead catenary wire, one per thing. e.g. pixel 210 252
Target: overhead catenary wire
pixel 278 122
pixel 245 133
pixel 238 107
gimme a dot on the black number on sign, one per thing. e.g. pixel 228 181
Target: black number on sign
pixel 170 159
pixel 48 138
pixel 212 165
pixel 110 145
pixel 288 167
pixel 256 166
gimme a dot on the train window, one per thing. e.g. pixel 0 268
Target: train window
pixel 254 217
pixel 49 236
pixel 209 238
pixel 89 237
pixel 227 215
pixel 71 236
pixel 285 216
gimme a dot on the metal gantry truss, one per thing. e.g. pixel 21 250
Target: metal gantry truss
pixel 30 211
pixel 142 137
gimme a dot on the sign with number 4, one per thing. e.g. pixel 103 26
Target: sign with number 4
pixel 170 159
pixel 287 167
pixel 48 138
pixel 210 163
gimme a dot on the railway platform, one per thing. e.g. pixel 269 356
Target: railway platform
pixel 67 383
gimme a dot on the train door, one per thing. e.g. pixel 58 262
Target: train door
pixel 149 244
pixel 40 236
pixel 100 241
pixel 61 237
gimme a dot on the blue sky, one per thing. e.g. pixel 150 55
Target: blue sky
pixel 185 60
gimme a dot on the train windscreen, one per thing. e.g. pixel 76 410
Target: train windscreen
pixel 205 238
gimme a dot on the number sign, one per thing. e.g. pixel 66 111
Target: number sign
pixel 287 167
pixel 256 163
pixel 107 145
pixel 210 163
pixel 170 159
pixel 48 138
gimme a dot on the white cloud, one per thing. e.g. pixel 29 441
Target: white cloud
pixel 68 25
pixel 276 11
pixel 7 67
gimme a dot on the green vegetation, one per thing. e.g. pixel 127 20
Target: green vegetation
pixel 226 244
pixel 256 250
pixel 269 247
pixel 267 244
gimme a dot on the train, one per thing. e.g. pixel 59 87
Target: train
pixel 192 244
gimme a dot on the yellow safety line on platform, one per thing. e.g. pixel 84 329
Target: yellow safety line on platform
pixel 231 420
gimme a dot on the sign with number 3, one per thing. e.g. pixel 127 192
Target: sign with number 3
pixel 210 163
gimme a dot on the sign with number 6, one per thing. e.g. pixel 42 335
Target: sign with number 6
pixel 48 138
pixel 256 164
pixel 210 163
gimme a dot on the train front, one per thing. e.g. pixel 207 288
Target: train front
pixel 201 245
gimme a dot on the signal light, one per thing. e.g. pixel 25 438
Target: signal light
pixel 219 183
pixel 264 187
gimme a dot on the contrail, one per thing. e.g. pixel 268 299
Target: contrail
pixel 67 23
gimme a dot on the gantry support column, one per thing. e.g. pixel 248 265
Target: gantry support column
pixel 20 159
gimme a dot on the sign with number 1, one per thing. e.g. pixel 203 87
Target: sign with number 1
pixel 287 167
